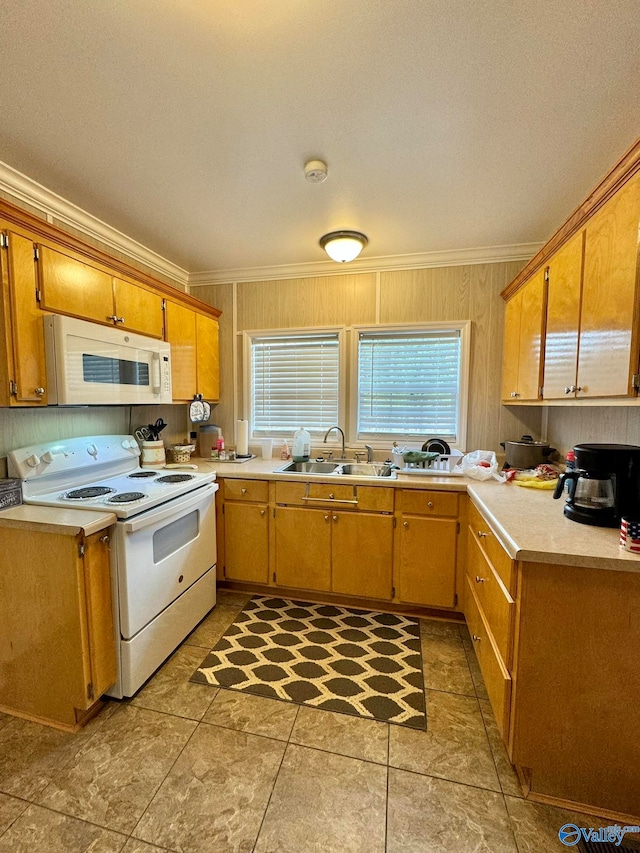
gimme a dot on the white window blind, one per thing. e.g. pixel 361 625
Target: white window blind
pixel 294 383
pixel 409 383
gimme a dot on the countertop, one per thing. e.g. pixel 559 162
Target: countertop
pixel 69 522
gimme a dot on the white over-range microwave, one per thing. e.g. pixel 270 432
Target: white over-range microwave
pixel 89 364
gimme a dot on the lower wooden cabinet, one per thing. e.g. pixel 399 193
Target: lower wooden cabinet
pixel 302 548
pixel 362 554
pixel 59 585
pixel 246 542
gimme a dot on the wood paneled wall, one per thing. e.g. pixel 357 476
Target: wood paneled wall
pixel 569 426
pixel 469 292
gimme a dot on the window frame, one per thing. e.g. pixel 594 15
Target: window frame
pixel 249 335
pixel 386 439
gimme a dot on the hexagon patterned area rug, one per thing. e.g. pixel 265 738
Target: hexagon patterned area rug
pixel 356 662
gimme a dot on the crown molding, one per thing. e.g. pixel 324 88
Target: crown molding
pixel 424 260
pixel 28 191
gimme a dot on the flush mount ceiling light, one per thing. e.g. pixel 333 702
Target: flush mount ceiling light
pixel 343 246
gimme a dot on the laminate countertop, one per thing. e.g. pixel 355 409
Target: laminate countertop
pixel 69 522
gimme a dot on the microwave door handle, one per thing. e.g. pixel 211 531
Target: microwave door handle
pixel 176 507
pixel 155 372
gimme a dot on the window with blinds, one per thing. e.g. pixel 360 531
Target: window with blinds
pixel 409 383
pixel 294 383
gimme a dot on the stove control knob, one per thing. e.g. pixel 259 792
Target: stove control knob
pixel 47 457
pixel 92 450
pixel 33 461
pixel 126 444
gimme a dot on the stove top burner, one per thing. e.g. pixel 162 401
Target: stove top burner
pixel 126 498
pixel 142 475
pixel 175 478
pixel 87 493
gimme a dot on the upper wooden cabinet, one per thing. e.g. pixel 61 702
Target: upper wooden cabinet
pixel 524 326
pixel 71 286
pixel 592 346
pixel 194 352
pixel 22 366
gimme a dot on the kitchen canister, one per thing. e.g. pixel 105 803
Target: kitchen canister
pixel 153 455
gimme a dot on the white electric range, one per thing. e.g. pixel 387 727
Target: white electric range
pixel 164 541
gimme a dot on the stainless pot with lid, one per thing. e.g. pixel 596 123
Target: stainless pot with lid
pixel 526 453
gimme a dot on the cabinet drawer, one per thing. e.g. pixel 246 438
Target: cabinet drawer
pixel 496 677
pixel 493 598
pixel 497 556
pixel 418 502
pixel 341 495
pixel 246 490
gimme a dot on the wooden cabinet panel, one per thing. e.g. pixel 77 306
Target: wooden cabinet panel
pixel 24 332
pixel 511 348
pixel 368 498
pixel 609 327
pixel 141 309
pixel 497 556
pixel 429 502
pixel 101 644
pixel 427 565
pixel 181 334
pixel 494 600
pixel 208 359
pixel 496 677
pixel 246 542
pixel 362 554
pixel 69 286
pixel 303 548
pixel 532 322
pixel 245 490
pixel 563 320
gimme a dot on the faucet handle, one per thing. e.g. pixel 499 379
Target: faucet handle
pixel 359 454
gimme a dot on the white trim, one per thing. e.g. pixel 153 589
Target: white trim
pixel 464 326
pixel 54 206
pixel 424 260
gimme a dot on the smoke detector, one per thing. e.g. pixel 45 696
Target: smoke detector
pixel 315 171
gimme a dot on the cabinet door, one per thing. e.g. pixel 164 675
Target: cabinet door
pixel 609 324
pixel 25 338
pixel 532 323
pixel 427 571
pixel 361 551
pixel 181 334
pixel 69 286
pixel 511 350
pixel 246 536
pixel 140 309
pixel 563 320
pixel 101 645
pixel 208 365
pixel 303 548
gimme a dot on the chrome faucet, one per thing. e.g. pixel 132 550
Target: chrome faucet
pixel 341 433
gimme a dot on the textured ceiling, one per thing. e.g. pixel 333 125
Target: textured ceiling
pixel 445 124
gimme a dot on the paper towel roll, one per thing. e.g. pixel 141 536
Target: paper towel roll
pixel 242 438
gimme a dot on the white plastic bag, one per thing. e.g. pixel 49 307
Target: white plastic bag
pixel 481 465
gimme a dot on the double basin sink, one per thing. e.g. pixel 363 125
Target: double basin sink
pixel 349 469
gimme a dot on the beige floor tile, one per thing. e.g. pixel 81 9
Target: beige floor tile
pixel 113 779
pixel 258 715
pixel 233 598
pixel 214 798
pixel 33 754
pixel 10 809
pixel 342 734
pixel 454 747
pixel 4 719
pixel 212 627
pixel 445 666
pixel 427 814
pixel 170 690
pixel 324 803
pixel 506 774
pixel 134 845
pixel 439 628
pixel 38 830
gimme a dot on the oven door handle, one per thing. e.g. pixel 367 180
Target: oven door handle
pixel 176 507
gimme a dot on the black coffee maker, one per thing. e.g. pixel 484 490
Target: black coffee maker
pixel 605 485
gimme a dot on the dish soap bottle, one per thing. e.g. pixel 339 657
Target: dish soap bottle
pixel 301 445
pixel 284 453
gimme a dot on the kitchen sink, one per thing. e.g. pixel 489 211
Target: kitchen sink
pixel 352 469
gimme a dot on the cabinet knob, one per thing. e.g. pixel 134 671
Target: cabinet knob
pixel 119 319
pixel 475 638
pixel 113 317
pixel 577 388
pixel 479 579
pixel 569 389
pixel 482 534
pixel 335 517
pixel 430 504
pixel 331 496
pixel 105 539
pixel 514 394
pixel 40 392
pixel 405 524
pixel 262 512
pixel 243 491
pixel 326 518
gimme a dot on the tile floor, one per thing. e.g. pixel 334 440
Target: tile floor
pixel 185 767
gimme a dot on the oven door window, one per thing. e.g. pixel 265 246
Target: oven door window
pixel 175 535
